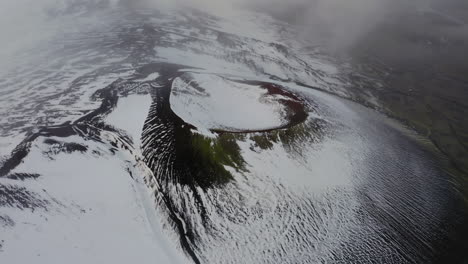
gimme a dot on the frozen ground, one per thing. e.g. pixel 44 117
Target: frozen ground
pixel 99 162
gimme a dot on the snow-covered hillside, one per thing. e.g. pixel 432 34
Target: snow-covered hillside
pixel 150 135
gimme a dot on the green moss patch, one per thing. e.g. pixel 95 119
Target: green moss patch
pixel 205 158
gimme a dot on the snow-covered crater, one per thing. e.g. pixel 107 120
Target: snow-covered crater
pixel 217 104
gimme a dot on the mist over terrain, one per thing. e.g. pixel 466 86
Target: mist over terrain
pixel 415 48
pixel 336 24
pixel 241 131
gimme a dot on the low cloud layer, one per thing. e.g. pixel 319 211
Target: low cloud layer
pixel 335 23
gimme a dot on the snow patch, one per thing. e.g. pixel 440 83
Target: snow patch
pixel 130 115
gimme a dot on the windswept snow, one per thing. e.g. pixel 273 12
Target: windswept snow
pixel 96 213
pixel 341 187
